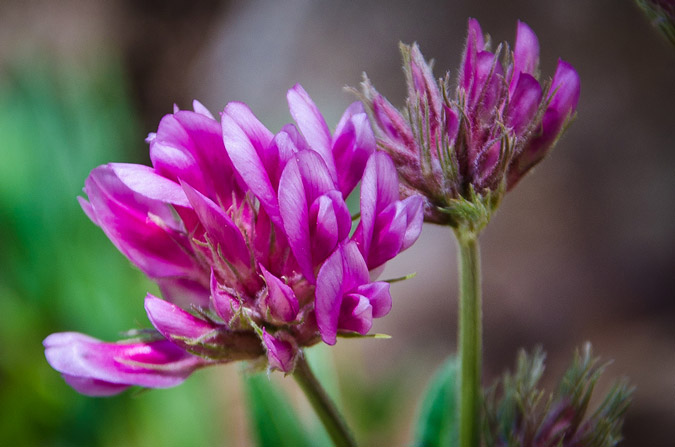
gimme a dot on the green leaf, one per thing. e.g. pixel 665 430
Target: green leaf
pixel 271 416
pixel 437 423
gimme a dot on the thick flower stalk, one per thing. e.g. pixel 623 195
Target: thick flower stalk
pixel 462 152
pixel 247 234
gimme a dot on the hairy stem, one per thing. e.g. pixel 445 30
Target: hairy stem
pixel 470 339
pixel 323 405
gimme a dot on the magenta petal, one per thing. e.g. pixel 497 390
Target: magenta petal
pixel 171 132
pixel 414 209
pixel 525 54
pixel 387 225
pixel 174 323
pixel 355 108
pixel 474 45
pixel 354 267
pixel 224 303
pixel 524 103
pixel 486 161
pixel 204 140
pixel 205 144
pixel 330 223
pixel 88 210
pixel 487 86
pixel 280 301
pixel 390 229
pixel 270 246
pixel 144 230
pixel 342 214
pixel 97 368
pixel 93 387
pixel 257 134
pixel 296 138
pixel 323 228
pixel 391 122
pixel 281 149
pixel 281 354
pixel 563 97
pixel 329 296
pixel 451 124
pixel 425 85
pixel 565 89
pixel 379 297
pixel 380 175
pixel 304 179
pixel 315 175
pixel 312 125
pixel 344 271
pixel 222 231
pixel 356 314
pixel 379 188
pixel 353 143
pixel 245 140
pixel 176 163
pixel 201 109
pixel 146 182
pixel 294 212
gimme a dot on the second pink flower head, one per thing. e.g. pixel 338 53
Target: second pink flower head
pixel 481 141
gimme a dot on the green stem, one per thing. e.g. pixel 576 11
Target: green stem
pixel 323 406
pixel 470 339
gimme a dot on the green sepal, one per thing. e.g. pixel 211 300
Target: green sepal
pixel 356 335
pixel 400 278
pixel 473 212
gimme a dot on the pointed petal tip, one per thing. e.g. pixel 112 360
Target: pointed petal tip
pixel 524 28
pixel 173 322
pixel 329 338
pixel 566 87
pixel 281 354
pixel 297 89
pixel 526 50
pixel 475 31
pixel 281 300
pixel 198 107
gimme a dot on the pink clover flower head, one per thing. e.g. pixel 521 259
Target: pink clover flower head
pixel 462 152
pixel 246 233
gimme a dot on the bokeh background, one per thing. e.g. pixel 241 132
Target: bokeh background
pixel 583 249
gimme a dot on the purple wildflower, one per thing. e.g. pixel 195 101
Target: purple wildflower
pixel 462 153
pixel 248 236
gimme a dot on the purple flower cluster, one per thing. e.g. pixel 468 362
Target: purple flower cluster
pixel 249 238
pixel 500 123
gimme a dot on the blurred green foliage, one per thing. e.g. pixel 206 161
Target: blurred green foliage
pixel 437 424
pixel 271 417
pixel 58 271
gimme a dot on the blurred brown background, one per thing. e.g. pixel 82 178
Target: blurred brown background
pixel 584 249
